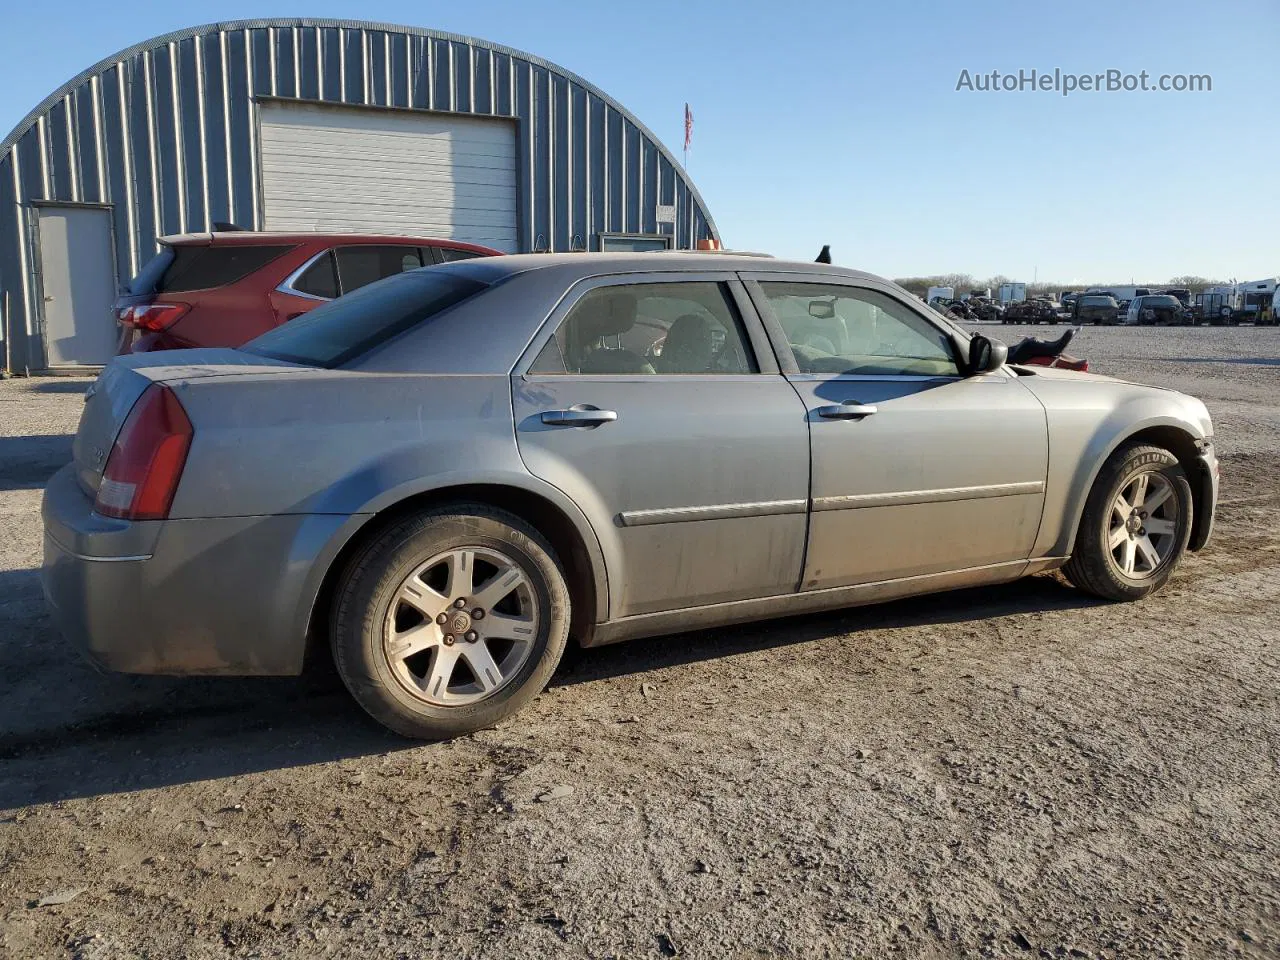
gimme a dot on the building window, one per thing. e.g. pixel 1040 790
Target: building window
pixel 634 242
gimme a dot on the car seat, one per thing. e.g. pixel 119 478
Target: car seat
pixel 688 347
pixel 609 313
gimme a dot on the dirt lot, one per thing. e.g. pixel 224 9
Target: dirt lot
pixel 1017 771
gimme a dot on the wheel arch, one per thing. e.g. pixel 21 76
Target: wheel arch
pixel 1169 434
pixel 572 537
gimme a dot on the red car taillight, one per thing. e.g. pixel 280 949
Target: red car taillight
pixel 152 316
pixel 147 458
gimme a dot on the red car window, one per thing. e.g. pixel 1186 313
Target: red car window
pixel 320 279
pixel 202 267
pixel 359 266
pixel 448 254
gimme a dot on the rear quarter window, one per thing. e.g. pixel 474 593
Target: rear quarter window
pixel 202 267
pixel 354 324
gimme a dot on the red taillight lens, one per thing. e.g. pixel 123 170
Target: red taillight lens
pixel 146 461
pixel 153 316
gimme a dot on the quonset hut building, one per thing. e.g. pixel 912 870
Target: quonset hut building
pixel 311 125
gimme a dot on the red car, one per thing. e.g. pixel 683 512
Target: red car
pixel 224 289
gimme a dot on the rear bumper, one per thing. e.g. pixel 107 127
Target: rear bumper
pixel 213 596
pixel 1206 499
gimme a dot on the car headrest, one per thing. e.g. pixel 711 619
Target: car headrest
pixel 690 331
pixel 608 313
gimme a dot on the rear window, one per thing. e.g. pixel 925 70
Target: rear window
pixel 201 267
pixel 352 325
pixel 1158 301
pixel 1097 302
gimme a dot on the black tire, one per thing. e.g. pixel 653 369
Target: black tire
pixel 1092 567
pixel 375 574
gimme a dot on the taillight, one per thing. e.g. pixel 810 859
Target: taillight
pixel 147 458
pixel 152 316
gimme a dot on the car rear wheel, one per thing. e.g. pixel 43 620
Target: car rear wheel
pixel 450 621
pixel 1135 527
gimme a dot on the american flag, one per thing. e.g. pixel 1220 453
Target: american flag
pixel 688 126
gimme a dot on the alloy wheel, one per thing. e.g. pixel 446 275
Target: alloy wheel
pixel 1142 528
pixel 461 626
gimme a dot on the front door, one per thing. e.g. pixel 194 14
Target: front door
pixel 916 468
pixel 665 418
pixel 77 270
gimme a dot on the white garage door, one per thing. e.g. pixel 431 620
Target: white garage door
pixel 347 170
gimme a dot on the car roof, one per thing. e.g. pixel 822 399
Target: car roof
pixel 238 237
pixel 572 267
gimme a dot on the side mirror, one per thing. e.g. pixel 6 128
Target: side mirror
pixel 986 354
pixel 822 309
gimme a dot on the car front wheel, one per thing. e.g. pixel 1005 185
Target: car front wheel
pixel 1135 526
pixel 450 621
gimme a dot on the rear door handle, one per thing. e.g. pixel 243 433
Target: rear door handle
pixel 580 415
pixel 849 410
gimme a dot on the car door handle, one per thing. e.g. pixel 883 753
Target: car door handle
pixel 578 416
pixel 846 411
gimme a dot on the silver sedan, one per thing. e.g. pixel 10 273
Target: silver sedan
pixel 446 477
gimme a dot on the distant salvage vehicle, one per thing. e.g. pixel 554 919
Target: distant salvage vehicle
pixel 1097 308
pixel 1156 310
pixel 1038 310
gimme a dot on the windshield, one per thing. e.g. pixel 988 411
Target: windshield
pixel 352 325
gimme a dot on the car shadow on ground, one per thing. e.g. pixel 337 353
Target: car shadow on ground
pixel 1031 595
pixel 51 385
pixel 28 462
pixel 138 733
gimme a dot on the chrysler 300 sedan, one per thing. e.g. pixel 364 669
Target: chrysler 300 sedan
pixel 448 475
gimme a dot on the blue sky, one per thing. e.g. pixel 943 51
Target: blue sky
pixel 840 123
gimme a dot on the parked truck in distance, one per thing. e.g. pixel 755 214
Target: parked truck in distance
pixel 1122 293
pixel 1255 299
pixel 940 293
pixel 1012 293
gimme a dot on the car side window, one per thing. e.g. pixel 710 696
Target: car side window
pixel 651 329
pixel 449 254
pixel 320 279
pixel 849 330
pixel 359 266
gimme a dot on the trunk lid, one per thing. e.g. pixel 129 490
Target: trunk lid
pixel 109 400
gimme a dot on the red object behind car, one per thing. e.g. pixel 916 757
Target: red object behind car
pixel 1066 361
pixel 224 289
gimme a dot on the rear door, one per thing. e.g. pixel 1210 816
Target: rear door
pixel 654 401
pixel 916 469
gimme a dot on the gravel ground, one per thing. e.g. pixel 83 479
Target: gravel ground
pixel 1014 771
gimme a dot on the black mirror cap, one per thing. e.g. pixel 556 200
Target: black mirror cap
pixel 986 354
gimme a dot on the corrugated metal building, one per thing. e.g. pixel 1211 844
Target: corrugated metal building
pixel 327 125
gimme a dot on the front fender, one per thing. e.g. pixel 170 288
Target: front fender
pixel 1081 439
